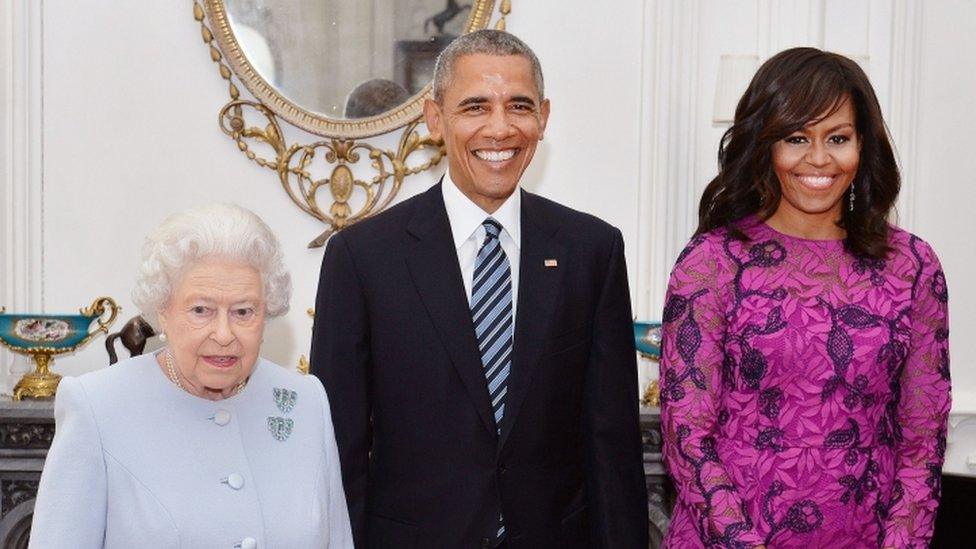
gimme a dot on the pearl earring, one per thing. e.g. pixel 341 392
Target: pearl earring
pixel 162 336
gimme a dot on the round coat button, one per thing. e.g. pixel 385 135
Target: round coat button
pixel 235 481
pixel 248 543
pixel 222 417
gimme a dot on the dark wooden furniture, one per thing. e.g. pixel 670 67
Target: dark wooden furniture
pixel 26 431
pixel 957 513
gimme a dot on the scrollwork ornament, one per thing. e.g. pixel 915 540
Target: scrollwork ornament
pixel 295 166
pixel 98 308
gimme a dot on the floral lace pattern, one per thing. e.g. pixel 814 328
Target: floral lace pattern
pixel 805 392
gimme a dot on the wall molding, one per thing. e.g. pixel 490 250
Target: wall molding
pixel 906 73
pixel 21 167
pixel 666 196
pixel 784 24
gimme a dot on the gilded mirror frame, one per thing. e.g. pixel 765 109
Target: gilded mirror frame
pixel 314 122
pixel 339 152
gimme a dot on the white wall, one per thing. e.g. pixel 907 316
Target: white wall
pixel 945 172
pixel 944 178
pixel 124 132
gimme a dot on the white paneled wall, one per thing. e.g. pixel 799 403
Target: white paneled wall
pixel 109 123
pixel 21 167
pixel 943 178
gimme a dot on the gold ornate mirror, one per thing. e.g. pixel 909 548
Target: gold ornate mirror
pixel 340 70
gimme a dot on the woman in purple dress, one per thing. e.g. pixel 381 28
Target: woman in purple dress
pixel 805 370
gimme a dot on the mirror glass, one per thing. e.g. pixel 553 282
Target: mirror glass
pixel 346 59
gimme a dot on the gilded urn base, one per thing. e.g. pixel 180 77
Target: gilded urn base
pixel 652 395
pixel 38 384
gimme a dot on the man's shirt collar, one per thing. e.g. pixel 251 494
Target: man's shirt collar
pixel 466 216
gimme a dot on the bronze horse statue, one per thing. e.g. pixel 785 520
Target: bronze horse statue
pixel 133 334
pixel 444 17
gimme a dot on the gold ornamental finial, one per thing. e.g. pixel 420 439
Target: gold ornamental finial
pixel 652 395
pixel 504 9
pixel 303 364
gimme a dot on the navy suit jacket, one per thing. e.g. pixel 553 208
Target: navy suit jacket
pixel 394 345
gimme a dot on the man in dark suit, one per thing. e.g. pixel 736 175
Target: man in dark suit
pixel 476 343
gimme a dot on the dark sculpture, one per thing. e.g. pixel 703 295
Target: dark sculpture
pixel 444 17
pixel 133 334
pixel 375 96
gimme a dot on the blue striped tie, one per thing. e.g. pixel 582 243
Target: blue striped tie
pixel 491 309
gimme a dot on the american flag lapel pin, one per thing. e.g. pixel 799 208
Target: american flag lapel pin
pixel 551 263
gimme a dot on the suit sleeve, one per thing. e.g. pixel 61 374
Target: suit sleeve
pixel 692 355
pixel 340 357
pixel 71 507
pixel 616 492
pixel 921 400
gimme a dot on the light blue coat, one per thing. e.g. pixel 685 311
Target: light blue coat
pixel 138 462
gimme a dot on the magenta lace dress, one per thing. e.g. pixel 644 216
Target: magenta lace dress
pixel 804 392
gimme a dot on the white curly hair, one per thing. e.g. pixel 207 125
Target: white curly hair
pixel 227 231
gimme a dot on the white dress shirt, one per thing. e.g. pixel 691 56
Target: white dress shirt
pixel 466 220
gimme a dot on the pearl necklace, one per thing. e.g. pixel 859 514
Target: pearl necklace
pixel 171 370
pixel 173 376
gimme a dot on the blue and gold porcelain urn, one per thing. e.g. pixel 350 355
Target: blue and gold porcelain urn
pixel 42 336
pixel 647 339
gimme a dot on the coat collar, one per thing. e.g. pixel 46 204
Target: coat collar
pixel 435 272
pixel 539 286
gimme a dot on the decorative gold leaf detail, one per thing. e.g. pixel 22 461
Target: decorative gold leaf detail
pixel 341 183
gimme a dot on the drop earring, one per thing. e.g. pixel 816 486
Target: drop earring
pixel 851 207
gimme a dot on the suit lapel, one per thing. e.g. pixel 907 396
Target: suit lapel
pixel 434 268
pixel 538 290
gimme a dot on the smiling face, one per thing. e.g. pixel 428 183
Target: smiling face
pixel 214 321
pixel 491 119
pixel 815 167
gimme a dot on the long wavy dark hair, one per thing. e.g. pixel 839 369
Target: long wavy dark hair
pixel 792 89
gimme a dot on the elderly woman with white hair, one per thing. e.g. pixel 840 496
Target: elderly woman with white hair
pixel 204 443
